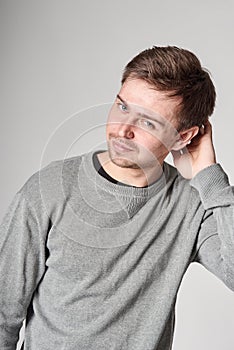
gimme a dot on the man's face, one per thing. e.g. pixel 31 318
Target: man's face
pixel 141 127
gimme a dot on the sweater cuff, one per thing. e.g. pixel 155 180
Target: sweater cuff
pixel 213 186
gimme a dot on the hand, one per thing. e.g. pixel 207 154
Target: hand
pixel 198 154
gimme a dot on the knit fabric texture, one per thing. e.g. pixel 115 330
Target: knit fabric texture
pixel 93 265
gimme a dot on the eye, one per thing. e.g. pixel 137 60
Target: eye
pixel 147 124
pixel 122 107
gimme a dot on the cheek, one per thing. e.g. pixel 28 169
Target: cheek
pixel 114 115
pixel 152 145
pixel 150 139
pixel 112 124
pixel 164 140
pixel 111 129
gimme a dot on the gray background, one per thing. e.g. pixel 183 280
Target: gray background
pixel 60 57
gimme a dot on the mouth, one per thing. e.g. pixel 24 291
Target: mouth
pixel 121 147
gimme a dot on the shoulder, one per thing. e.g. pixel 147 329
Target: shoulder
pixel 48 181
pixel 180 188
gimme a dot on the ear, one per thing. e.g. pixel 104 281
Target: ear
pixel 184 137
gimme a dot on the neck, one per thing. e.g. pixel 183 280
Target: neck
pixel 129 176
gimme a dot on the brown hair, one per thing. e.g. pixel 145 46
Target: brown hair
pixel 177 72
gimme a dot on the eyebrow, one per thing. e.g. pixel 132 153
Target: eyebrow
pixel 141 114
pixel 121 99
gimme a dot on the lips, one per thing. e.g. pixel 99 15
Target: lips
pixel 120 146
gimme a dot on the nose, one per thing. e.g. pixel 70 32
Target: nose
pixel 126 130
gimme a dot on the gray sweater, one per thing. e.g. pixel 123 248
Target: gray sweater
pixel 94 265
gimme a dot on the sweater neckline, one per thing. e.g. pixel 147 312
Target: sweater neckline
pixel 99 168
pixel 102 214
pixel 117 189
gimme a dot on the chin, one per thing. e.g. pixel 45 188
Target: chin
pixel 124 163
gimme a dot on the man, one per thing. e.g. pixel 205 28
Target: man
pixel 94 248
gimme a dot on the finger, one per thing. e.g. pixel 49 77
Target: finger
pixel 202 130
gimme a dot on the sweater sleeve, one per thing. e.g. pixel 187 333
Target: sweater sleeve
pixel 215 243
pixel 22 264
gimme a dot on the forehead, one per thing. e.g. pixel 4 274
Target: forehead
pixel 140 93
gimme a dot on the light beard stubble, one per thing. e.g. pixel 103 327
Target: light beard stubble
pixel 120 160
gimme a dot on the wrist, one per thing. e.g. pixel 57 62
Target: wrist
pixel 210 183
pixel 203 167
